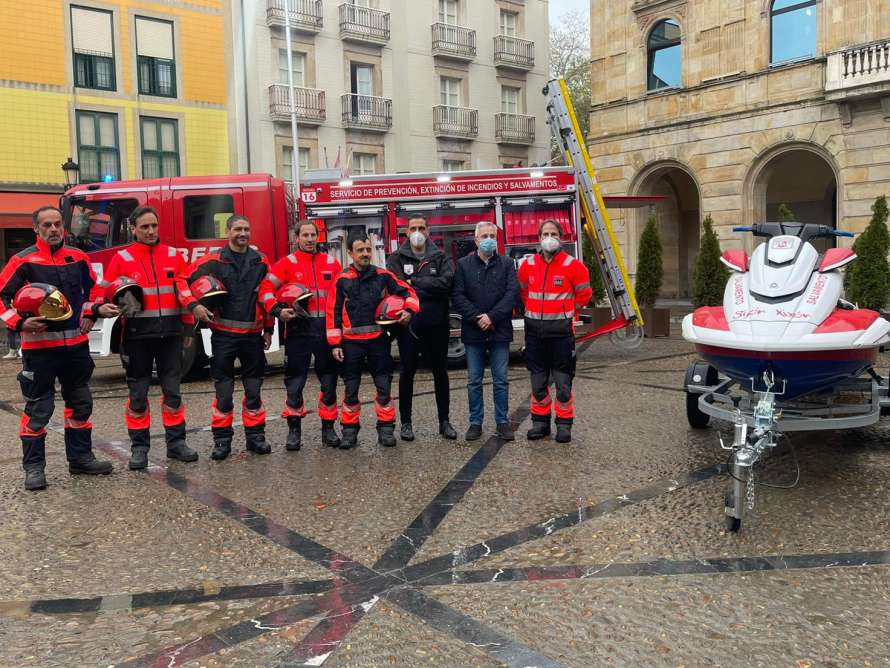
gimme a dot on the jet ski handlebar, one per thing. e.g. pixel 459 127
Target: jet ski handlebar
pixel 805 231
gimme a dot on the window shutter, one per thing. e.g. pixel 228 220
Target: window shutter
pixel 91 31
pixel 154 38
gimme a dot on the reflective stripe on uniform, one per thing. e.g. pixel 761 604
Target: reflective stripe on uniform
pixel 334 332
pixel 550 316
pixel 274 280
pixel 292 258
pixel 551 296
pixel 268 298
pixel 50 336
pixel 567 261
pixel 364 329
pixel 156 312
pixel 163 290
pixel 126 255
pixel 238 324
pixel 582 286
pixel 8 314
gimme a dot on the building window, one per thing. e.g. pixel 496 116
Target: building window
pixel 287 162
pixel 364 163
pixel 155 57
pixel 97 147
pixel 509 100
pixel 298 63
pixel 508 23
pixel 160 147
pixel 452 165
pixel 792 30
pixel 448 12
pixel 449 91
pixel 93 48
pixel 205 216
pixel 665 62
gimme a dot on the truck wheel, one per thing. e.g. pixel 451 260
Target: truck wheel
pixel 193 359
pixel 457 352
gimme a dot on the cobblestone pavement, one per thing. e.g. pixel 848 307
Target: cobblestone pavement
pixel 608 551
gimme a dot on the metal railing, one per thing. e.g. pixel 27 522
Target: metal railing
pixel 455 122
pixel 309 103
pixel 858 66
pixel 304 14
pixel 514 128
pixel 366 112
pixel 455 41
pixel 363 23
pixel 514 52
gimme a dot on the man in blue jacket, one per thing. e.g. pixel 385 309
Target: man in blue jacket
pixel 484 294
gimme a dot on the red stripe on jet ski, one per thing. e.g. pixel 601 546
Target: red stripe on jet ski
pixel 842 320
pixel 864 354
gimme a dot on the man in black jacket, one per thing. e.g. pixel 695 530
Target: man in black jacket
pixel 484 294
pixel 425 268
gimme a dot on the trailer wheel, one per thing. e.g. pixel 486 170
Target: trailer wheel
pixel 193 358
pixel 698 373
pixel 457 352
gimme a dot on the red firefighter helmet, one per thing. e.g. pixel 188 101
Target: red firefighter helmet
pixel 293 294
pixel 389 310
pixel 209 291
pixel 121 286
pixel 42 300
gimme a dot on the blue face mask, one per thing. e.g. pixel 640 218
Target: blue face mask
pixel 488 246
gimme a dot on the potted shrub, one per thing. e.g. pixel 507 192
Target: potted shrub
pixel 867 280
pixel 650 274
pixel 710 275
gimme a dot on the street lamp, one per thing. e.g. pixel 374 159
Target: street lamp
pixel 72 173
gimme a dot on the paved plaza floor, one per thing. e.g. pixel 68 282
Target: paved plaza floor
pixel 608 551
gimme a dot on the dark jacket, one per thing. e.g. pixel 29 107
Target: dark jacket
pixel 489 288
pixel 69 270
pixel 241 312
pixel 431 277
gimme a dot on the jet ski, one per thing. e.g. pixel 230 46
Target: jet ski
pixel 782 313
pixel 785 352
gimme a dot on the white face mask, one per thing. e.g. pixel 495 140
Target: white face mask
pixel 417 239
pixel 550 244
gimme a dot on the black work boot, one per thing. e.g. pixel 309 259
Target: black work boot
pixel 329 435
pixel 447 430
pixel 222 448
pixel 563 432
pixel 540 429
pixel 350 436
pixel 138 458
pixel 182 452
pixel 474 432
pixel 294 434
pixel 386 434
pixel 35 478
pixel 407 432
pixel 87 464
pixel 256 443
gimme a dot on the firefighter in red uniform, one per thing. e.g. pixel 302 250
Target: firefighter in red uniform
pixel 240 330
pixel 553 285
pixel 54 344
pixel 152 336
pixel 305 339
pixel 353 331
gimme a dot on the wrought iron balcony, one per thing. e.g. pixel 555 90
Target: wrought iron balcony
pixel 514 129
pixel 514 53
pixel 450 41
pixel 309 103
pixel 858 71
pixel 363 24
pixel 305 15
pixel 455 122
pixel 366 112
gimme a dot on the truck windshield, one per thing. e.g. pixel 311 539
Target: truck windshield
pixel 94 225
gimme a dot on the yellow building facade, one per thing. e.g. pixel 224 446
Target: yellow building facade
pixel 129 89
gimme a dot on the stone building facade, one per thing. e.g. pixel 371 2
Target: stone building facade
pixel 730 108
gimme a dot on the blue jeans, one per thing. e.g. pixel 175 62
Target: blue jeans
pixel 499 355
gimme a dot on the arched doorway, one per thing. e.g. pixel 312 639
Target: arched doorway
pixel 678 217
pixel 801 178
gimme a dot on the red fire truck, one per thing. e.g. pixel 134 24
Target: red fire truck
pixel 193 211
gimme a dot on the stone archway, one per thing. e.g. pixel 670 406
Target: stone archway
pixel 801 176
pixel 678 217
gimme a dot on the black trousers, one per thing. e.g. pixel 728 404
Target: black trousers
pixel 139 356
pixel 546 358
pixel 429 345
pixel 376 354
pixel 73 367
pixel 298 352
pixel 247 349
